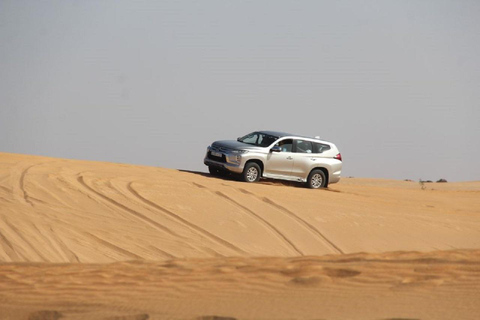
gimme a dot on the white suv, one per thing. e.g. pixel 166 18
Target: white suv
pixel 277 155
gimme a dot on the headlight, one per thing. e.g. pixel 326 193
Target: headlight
pixel 239 151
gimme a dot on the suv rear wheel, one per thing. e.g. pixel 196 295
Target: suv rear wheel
pixel 316 179
pixel 251 172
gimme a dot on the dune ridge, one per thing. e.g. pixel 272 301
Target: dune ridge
pixel 96 240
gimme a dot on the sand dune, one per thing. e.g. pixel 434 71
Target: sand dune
pixel 93 240
pixel 440 285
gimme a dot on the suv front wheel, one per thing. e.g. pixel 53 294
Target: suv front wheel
pixel 251 172
pixel 316 179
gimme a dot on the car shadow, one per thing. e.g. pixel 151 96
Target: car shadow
pixel 233 177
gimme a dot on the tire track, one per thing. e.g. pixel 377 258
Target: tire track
pixel 291 214
pixel 72 229
pixel 4 178
pixel 24 239
pixel 9 193
pixel 58 201
pixel 21 184
pixel 262 220
pixel 199 185
pixel 114 247
pixel 305 223
pixel 47 240
pixel 30 199
pixel 77 233
pixel 72 257
pixel 8 248
pixel 136 214
pixel 185 222
pixel 168 255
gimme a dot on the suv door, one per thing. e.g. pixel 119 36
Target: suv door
pixel 304 158
pixel 280 163
pixel 307 156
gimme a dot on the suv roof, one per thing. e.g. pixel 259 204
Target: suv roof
pixel 285 134
pixel 276 133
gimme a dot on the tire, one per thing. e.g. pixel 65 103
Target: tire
pixel 251 172
pixel 213 171
pixel 316 179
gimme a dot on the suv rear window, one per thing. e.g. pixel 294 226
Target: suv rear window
pixel 304 146
pixel 320 147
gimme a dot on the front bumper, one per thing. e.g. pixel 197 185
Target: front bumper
pixel 233 162
pixel 236 168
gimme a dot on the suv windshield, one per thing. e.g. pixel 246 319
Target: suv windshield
pixel 258 139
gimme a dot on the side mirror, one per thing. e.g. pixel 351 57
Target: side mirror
pixel 276 149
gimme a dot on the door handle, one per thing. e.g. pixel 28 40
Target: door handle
pixel 289 158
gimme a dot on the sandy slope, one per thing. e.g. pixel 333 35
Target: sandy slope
pixel 442 285
pixel 208 246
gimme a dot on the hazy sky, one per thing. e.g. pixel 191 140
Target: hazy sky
pixel 395 84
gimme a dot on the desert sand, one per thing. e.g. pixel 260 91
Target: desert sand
pixel 97 240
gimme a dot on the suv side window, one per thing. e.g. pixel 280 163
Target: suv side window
pixel 320 147
pixel 266 140
pixel 303 146
pixel 286 145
